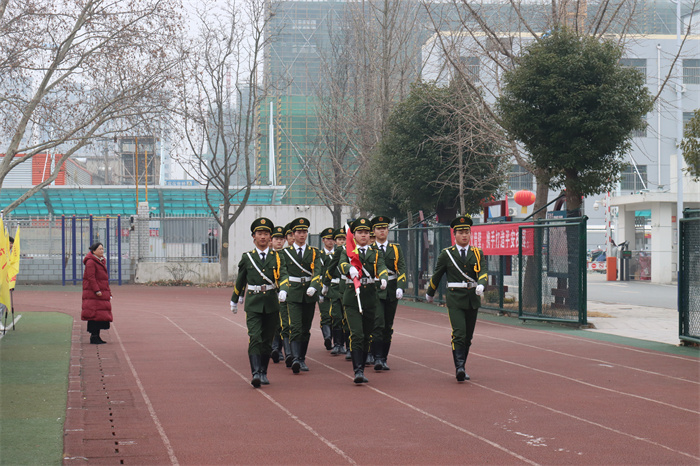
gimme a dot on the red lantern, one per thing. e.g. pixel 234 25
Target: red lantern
pixel 524 198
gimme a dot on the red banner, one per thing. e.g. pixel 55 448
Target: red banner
pixel 501 239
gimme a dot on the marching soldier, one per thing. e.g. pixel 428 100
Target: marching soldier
pixel 277 345
pixel 261 272
pixel 361 321
pixel 304 267
pixel 324 305
pixel 284 308
pixel 465 267
pixel 389 298
pixel 331 289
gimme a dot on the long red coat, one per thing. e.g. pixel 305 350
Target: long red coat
pixel 96 278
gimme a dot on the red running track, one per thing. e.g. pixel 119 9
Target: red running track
pixel 172 387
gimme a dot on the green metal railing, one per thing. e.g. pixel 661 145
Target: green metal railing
pixel 552 275
pixel 689 277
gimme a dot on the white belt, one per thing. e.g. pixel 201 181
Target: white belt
pixel 461 285
pixel 260 288
pixel 392 276
pixel 300 279
pixel 363 281
pixel 335 280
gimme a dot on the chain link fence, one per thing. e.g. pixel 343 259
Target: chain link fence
pixel 689 277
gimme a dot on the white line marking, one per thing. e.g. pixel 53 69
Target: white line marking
pixel 151 410
pixel 562 413
pixel 434 417
pixel 306 426
pixel 565 377
pixel 3 329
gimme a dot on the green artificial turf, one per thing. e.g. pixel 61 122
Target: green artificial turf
pixel 34 362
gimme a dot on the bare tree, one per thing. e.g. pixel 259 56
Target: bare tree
pixel 222 91
pixel 493 34
pixel 75 71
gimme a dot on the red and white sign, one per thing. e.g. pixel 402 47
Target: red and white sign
pixel 597 265
pixel 501 239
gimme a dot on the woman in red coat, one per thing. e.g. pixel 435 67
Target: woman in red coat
pixel 97 308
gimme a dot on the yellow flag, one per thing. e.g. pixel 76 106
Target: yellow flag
pixel 4 266
pixel 14 261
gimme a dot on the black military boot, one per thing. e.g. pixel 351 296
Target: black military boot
pixel 358 366
pixel 370 355
pixel 460 358
pixel 255 363
pixel 302 360
pixel 378 350
pixel 327 338
pixel 338 342
pixel 385 354
pixel 263 369
pixel 289 357
pixel 276 349
pixel 296 356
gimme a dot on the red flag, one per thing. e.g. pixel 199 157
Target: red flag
pixel 353 254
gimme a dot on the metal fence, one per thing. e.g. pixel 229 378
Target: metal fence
pixel 689 277
pixel 176 239
pixel 552 278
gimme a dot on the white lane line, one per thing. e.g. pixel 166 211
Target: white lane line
pixel 569 337
pixel 565 377
pixel 3 329
pixel 306 426
pixel 556 411
pixel 151 410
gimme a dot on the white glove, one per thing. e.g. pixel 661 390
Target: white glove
pixel 234 307
pixel 282 296
pixel 320 299
pixel 324 290
pixel 353 272
pixel 429 298
pixel 399 293
pixel 310 291
pixel 383 284
pixel 480 290
pixel 240 300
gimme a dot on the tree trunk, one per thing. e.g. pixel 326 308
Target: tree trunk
pixel 533 269
pixel 224 250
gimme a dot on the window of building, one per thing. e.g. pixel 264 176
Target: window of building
pixel 641 133
pixel 687 116
pixel 639 64
pixel 691 71
pixel 471 65
pixel 519 178
pixel 630 181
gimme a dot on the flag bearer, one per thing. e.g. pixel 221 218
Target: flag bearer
pixel 324 305
pixel 277 344
pixel 389 298
pixel 361 262
pixel 465 267
pixel 304 267
pixel 261 273
pixel 331 289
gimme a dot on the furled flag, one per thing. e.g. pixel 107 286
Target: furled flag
pixel 354 256
pixel 4 267
pixel 14 261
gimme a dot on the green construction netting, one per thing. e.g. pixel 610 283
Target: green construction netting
pixel 164 201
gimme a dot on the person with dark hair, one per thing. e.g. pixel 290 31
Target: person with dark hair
pixel 97 305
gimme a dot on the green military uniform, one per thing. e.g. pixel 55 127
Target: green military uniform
pixel 284 316
pixel 304 270
pixel 277 344
pixel 361 324
pixel 324 305
pixel 462 300
pixel 395 262
pixel 258 280
pixel 331 282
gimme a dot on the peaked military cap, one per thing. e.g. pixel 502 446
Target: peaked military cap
pixel 327 233
pixel 463 222
pixel 360 224
pixel 338 232
pixel 380 221
pixel 262 223
pixel 287 229
pixel 278 232
pixel 299 224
